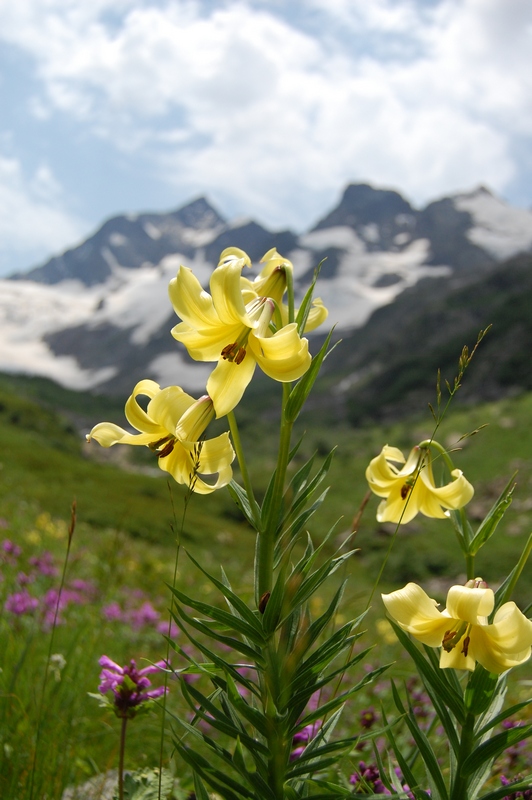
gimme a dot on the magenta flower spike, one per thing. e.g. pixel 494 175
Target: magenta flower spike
pixel 129 685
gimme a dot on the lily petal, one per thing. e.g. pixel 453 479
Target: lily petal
pixel 227 295
pixel 416 613
pixel 228 382
pixel 469 604
pixel 190 301
pixel 168 407
pixel 455 494
pixel 135 415
pixel 107 434
pixel 206 344
pixel 283 356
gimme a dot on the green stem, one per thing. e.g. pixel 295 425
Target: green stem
pixel 460 788
pixel 267 537
pixel 440 450
pixel 470 566
pixel 121 759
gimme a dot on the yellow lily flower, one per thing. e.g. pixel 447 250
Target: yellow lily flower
pixel 270 282
pixel 411 489
pixel 462 629
pixel 171 427
pixel 232 326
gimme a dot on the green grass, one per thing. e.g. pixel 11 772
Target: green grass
pixel 129 518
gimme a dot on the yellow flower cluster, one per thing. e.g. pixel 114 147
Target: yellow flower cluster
pixel 462 630
pixel 240 324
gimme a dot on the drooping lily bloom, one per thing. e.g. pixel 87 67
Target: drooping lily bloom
pixel 411 488
pixel 271 282
pixel 232 326
pixel 171 426
pixel 462 629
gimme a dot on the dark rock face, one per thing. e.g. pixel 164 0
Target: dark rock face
pixel 129 242
pixel 425 324
pixel 254 239
pixel 377 215
pixel 446 228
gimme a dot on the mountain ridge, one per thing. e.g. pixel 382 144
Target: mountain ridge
pixel 98 316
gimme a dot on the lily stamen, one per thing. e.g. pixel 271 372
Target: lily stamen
pixel 452 637
pixel 159 442
pixel 167 449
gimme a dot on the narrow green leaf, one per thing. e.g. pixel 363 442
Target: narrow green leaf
pixel 510 789
pixel 490 522
pixel 239 495
pixel 404 767
pixel 300 479
pixel 479 690
pixel 301 520
pixel 494 747
pixel 235 644
pixel 218 719
pixel 504 715
pixel 217 659
pixel 221 783
pixel 306 303
pixel 505 590
pixel 315 580
pixel 224 618
pixel 199 788
pixel 302 389
pixel 432 675
pixel 252 715
pixel 307 489
pixel 233 599
pixel 276 602
pixel 427 754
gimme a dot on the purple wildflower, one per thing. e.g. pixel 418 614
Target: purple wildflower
pixel 113 612
pixel 44 564
pixel 145 615
pixel 12 551
pixel 525 795
pixel 86 587
pixel 24 580
pixel 368 718
pixel 367 777
pixel 303 737
pixel 128 685
pixel 162 627
pixel 21 603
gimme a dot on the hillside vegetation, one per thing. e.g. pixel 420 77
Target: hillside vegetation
pixel 46 464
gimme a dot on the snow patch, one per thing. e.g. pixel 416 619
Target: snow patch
pixel 117 239
pixel 500 229
pixel 151 230
pixel 341 237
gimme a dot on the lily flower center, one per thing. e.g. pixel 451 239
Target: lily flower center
pixel 453 636
pixel 256 310
pixel 235 352
pixel 168 442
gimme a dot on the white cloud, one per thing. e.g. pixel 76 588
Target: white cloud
pixel 32 218
pixel 245 101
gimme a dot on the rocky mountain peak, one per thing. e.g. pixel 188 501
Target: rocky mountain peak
pixel 378 216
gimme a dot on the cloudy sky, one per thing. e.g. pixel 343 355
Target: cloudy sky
pixel 267 107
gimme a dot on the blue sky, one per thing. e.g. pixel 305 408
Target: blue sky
pixel 269 108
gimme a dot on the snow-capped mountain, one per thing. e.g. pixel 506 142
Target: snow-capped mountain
pixel 98 315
